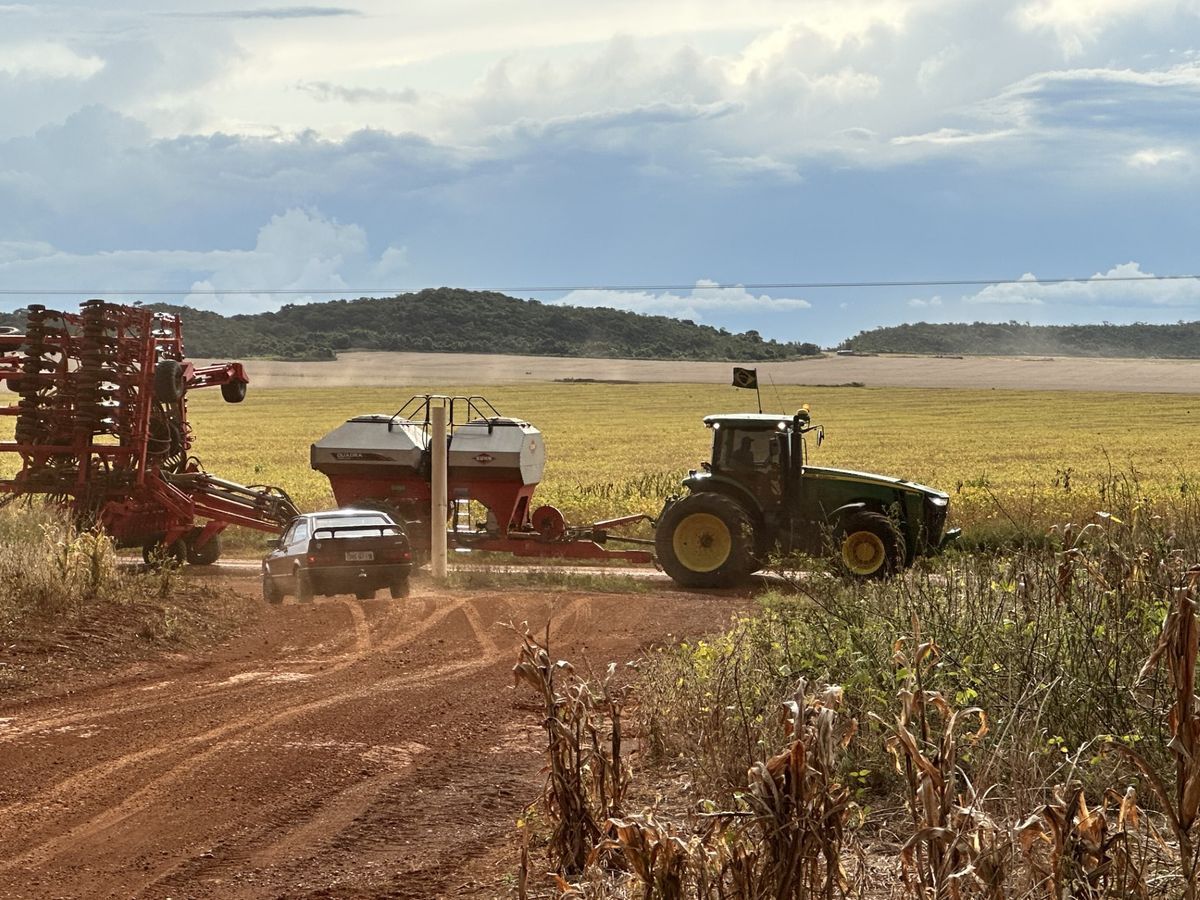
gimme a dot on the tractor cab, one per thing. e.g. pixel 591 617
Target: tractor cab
pixel 763 452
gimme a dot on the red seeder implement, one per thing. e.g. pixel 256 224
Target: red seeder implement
pixel 102 427
pixel 494 464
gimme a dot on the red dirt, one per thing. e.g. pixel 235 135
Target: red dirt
pixel 341 749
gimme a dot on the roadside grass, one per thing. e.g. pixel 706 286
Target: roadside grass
pixel 65 599
pixel 1004 723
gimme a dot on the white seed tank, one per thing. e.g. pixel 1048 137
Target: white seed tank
pixel 497 449
pixel 493 449
pixel 368 443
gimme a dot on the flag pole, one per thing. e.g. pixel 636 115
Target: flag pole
pixel 758 393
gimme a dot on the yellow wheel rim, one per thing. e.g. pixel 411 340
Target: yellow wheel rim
pixel 702 542
pixel 863 552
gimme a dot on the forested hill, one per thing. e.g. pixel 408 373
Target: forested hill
pixel 1181 340
pixel 459 321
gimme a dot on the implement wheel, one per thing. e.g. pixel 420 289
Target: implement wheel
pixel 206 555
pixel 706 540
pixel 168 381
pixel 155 554
pixel 233 391
pixel 870 546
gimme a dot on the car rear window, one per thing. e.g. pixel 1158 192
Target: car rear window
pixel 382 522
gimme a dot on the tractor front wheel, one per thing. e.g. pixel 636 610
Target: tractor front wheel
pixel 870 546
pixel 706 540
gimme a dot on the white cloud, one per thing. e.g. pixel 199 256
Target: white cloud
pixel 918 303
pixel 701 304
pixel 1153 157
pixel 296 250
pixel 1124 286
pixel 44 59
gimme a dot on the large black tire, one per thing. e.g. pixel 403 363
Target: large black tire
pixel 168 381
pixel 399 588
pixel 304 587
pixel 233 391
pixel 271 592
pixel 706 540
pixel 869 545
pixel 156 555
pixel 206 555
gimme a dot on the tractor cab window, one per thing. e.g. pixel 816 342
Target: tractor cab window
pixel 746 451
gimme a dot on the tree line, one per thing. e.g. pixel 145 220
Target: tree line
pixel 460 321
pixel 1179 341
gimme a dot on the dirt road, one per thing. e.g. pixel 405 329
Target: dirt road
pixel 423 370
pixel 338 749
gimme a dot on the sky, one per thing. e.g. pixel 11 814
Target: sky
pixel 681 157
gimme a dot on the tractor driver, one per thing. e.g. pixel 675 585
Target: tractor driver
pixel 743 456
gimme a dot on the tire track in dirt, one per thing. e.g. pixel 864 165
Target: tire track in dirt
pixel 334 816
pixel 76 785
pixel 219 737
pixel 204 691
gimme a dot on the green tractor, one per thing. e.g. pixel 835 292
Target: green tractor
pixel 759 497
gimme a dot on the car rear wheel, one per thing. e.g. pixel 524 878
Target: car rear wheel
pixel 270 590
pixel 304 587
pixel 870 546
pixel 399 588
pixel 706 540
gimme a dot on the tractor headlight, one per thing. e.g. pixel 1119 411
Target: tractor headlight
pixel 939 501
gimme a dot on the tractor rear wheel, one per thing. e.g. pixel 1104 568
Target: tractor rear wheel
pixel 706 540
pixel 870 546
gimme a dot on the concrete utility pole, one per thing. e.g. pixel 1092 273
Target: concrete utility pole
pixel 439 504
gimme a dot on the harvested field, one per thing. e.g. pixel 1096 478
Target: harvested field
pixel 1016 373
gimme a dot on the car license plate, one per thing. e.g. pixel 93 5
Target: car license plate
pixel 360 555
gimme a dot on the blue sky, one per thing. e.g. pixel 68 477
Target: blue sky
pixel 211 148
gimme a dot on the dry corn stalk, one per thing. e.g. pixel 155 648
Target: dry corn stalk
pixel 799 808
pixel 1083 857
pixel 586 777
pixel 954 843
pixel 1177 650
pixel 659 859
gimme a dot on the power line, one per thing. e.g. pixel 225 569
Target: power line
pixel 567 288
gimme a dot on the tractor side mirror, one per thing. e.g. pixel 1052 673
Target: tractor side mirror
pixel 272 543
pixel 820 435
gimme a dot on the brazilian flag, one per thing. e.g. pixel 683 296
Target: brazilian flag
pixel 745 378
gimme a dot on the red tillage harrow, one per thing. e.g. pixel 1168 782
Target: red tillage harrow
pixel 102 428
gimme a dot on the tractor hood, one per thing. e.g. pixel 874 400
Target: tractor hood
pixel 871 478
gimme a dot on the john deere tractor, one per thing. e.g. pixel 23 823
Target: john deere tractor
pixel 759 497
